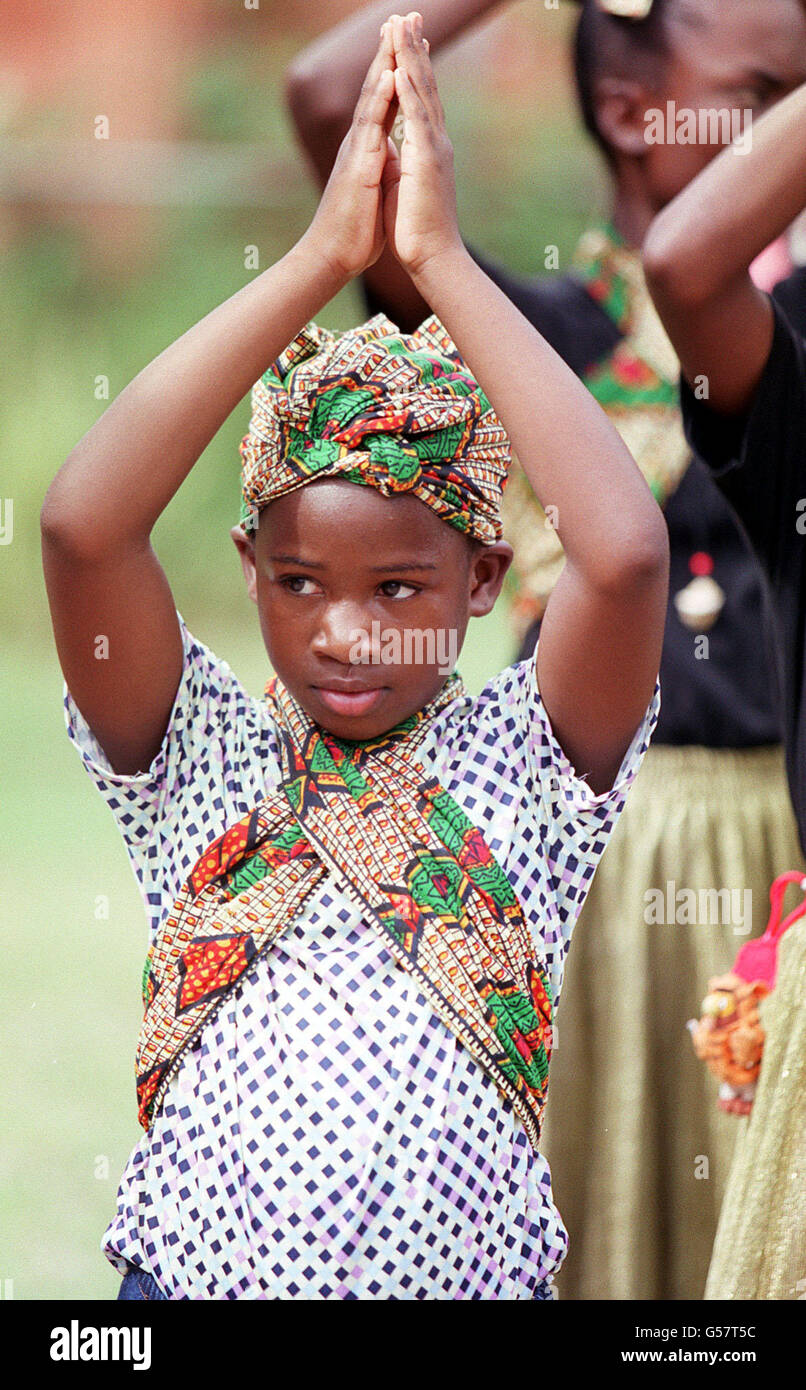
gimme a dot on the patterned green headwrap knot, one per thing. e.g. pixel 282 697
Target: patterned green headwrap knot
pixel 375 407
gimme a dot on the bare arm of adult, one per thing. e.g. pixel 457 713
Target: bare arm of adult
pixel 601 637
pixel 698 252
pixel 322 87
pixel 102 575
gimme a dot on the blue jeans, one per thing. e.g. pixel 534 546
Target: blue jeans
pixel 544 1291
pixel 139 1285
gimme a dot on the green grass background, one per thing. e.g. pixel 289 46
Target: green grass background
pixel 70 982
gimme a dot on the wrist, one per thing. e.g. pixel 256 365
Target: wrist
pixel 316 266
pixel 439 270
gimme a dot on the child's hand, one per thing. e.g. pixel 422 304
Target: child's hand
pixel 348 229
pixel 420 194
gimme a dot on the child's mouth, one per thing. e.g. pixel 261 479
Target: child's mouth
pixel 350 702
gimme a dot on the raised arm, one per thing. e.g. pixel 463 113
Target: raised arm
pixel 602 633
pixel 322 87
pixel 102 576
pixel 699 249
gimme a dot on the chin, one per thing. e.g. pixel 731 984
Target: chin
pixel 354 729
pixel 388 709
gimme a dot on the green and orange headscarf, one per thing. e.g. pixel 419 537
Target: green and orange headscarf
pixel 397 412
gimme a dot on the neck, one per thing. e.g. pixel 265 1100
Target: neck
pixel 633 211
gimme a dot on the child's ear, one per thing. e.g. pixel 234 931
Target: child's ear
pixel 487 572
pixel 245 547
pixel 621 111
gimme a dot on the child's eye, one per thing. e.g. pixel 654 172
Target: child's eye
pixel 296 584
pixel 395 588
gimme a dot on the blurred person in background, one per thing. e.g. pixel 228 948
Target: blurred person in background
pixel 751 431
pixel 640 1149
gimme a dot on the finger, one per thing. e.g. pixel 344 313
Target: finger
pixel 383 61
pixel 371 124
pixel 384 55
pixel 367 134
pixel 389 31
pixel 387 42
pixel 414 112
pixel 412 54
pixel 388 49
pixel 397 25
pixel 423 74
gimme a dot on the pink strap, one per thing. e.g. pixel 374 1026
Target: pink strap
pixel 758 960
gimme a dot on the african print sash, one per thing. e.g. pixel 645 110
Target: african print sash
pixel 412 861
pixel 637 387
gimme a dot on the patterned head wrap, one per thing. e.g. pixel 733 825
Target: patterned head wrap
pixel 375 407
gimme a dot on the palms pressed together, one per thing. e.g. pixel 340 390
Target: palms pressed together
pixel 376 194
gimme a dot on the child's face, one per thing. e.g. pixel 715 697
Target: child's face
pixel 364 601
pixel 744 56
pixel 727 55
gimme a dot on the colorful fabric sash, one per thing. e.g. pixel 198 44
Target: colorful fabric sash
pixel 375 407
pixel 637 387
pixel 414 864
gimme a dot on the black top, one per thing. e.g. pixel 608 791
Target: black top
pixel 759 463
pixel 730 699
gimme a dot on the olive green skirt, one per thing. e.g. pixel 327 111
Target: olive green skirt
pixel 639 1151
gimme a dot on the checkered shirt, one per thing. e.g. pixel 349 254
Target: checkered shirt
pixel 328 1136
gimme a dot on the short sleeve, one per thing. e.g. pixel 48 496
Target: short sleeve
pixel 759 459
pixel 582 819
pixel 498 755
pixel 217 759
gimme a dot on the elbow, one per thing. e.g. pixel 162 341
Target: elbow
pixel 651 565
pixel 53 523
pixel 299 91
pixel 638 563
pixel 69 529
pixel 314 99
pixel 675 268
pixel 62 528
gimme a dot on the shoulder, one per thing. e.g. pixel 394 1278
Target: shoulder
pixel 497 755
pixel 211 708
pixel 501 745
pixel 773 424
pixel 758 458
pixel 217 760
pixel 487 728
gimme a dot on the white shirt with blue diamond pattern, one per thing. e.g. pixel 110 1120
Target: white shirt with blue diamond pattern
pixel 328 1136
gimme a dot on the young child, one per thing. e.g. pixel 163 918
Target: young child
pixel 711 808
pixel 319 1122
pixel 743 357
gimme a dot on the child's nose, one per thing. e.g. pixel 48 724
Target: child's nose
pixel 343 634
